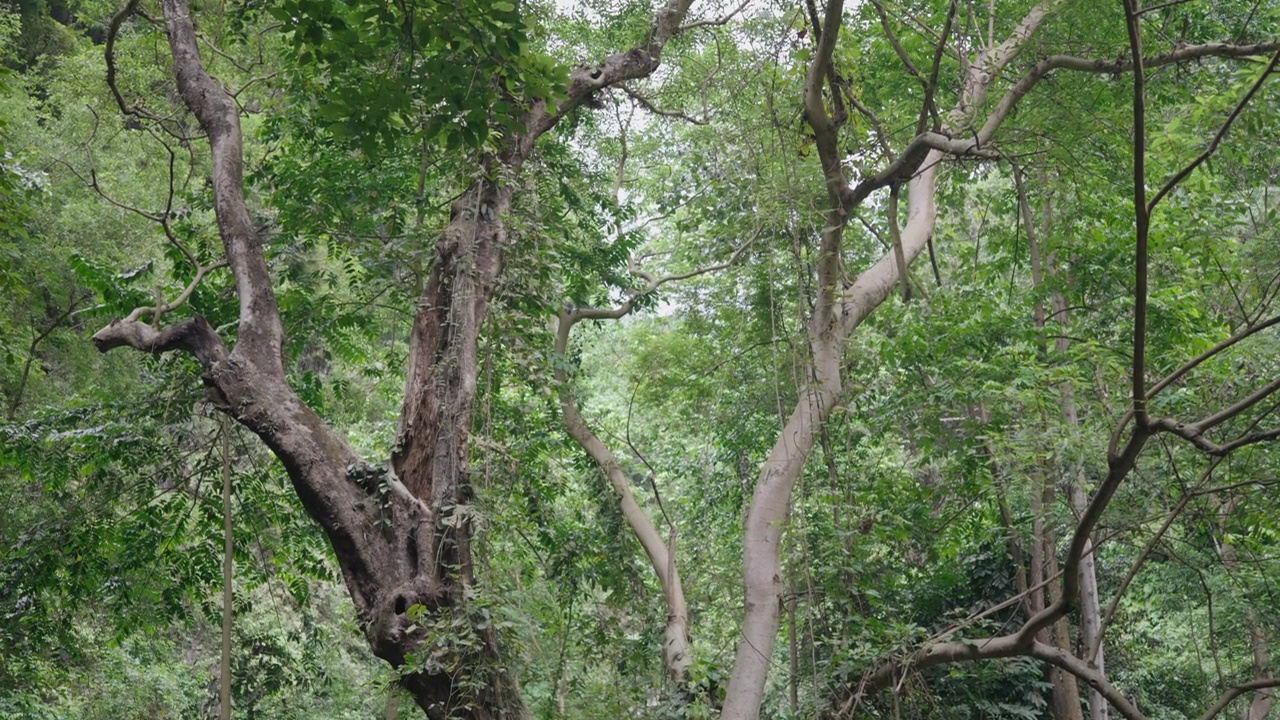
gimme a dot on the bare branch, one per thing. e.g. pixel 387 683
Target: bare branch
pixel 1141 216
pixel 652 282
pixel 1236 408
pixel 113 30
pixel 194 336
pixel 1192 435
pixel 1112 67
pixel 1237 691
pixel 37 337
pixel 892 37
pixel 1172 182
pixel 1188 367
pixel 155 312
pixel 1141 560
pixel 718 22
pixel 213 48
pixel 881 137
pixel 929 107
pixel 647 104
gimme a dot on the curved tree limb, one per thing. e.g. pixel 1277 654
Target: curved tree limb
pixel 675 646
pixel 717 22
pixel 648 105
pixel 633 64
pixel 838 310
pixel 1082 670
pixel 892 37
pixel 1212 147
pixel 1237 691
pixel 113 31
pixel 194 336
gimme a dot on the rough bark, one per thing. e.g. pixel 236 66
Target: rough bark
pixel 397 531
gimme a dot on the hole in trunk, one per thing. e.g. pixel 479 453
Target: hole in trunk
pixel 401 605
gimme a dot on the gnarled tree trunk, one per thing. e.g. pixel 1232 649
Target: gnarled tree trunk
pixel 397 530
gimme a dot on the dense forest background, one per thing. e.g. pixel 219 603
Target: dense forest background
pixel 605 359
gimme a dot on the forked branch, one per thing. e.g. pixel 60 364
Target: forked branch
pixel 571 315
pixel 632 64
pixel 1212 147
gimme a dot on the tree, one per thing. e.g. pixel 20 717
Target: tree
pixel 423 556
pixel 403 531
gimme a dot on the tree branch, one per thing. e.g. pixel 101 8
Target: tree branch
pixel 718 22
pixel 1074 665
pixel 260 336
pixel 892 37
pixel 815 109
pixel 929 107
pixel 895 233
pixel 109 53
pixel 647 104
pixel 1236 692
pixel 640 61
pixel 1141 216
pixel 572 315
pixel 1172 182
pixel 194 335
pixel 1113 67
pixel 1186 368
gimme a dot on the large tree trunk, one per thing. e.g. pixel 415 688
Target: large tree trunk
pixel 401 534
pixel 430 459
